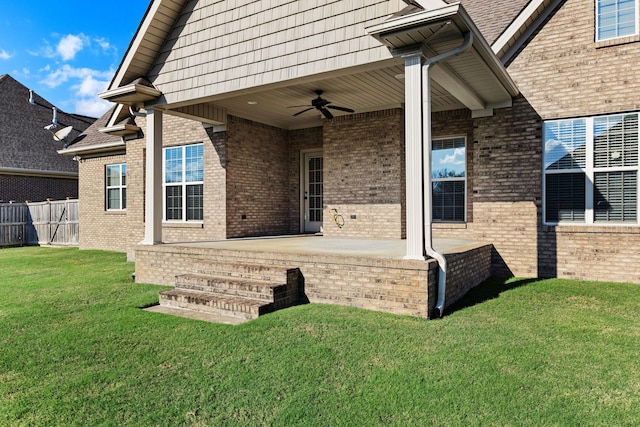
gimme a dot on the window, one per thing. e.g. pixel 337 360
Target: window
pixel 116 178
pixel 448 175
pixel 183 178
pixel 591 170
pixel 616 18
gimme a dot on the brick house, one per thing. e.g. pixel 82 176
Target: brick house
pixel 485 137
pixel 30 166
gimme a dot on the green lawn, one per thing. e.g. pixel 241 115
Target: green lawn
pixel 75 349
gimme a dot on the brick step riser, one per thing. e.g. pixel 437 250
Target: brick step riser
pixel 211 305
pixel 229 291
pixel 240 271
pixel 221 285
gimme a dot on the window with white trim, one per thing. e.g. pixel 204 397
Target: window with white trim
pixel 616 18
pixel 116 192
pixel 183 174
pixel 591 170
pixel 448 177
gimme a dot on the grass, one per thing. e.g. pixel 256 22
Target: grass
pixel 75 349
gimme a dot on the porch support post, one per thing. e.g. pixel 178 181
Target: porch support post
pixel 153 184
pixel 413 155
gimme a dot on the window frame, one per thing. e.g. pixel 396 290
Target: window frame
pixel 590 170
pixel 597 23
pixel 462 179
pixel 121 188
pixel 183 184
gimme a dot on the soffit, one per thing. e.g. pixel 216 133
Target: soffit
pixel 363 90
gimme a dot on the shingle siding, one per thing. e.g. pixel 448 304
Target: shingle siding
pixel 218 47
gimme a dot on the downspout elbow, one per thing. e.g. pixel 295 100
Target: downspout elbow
pixel 442 280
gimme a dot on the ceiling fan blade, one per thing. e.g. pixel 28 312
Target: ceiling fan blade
pixel 304 111
pixel 326 113
pixel 348 110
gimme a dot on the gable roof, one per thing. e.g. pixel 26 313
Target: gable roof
pixel 92 140
pixel 492 17
pixel 27 147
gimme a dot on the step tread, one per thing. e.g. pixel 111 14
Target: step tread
pixel 216 296
pixel 230 279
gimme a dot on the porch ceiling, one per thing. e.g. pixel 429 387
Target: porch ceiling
pixel 369 88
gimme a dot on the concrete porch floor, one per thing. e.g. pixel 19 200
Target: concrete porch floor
pixel 316 244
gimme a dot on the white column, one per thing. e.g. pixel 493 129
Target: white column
pixel 413 156
pixel 426 151
pixel 153 184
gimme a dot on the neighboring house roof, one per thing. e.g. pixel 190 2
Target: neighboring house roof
pixel 27 147
pixel 92 140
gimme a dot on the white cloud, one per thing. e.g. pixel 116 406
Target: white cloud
pixel 94 107
pixel 67 72
pixel 90 86
pixel 457 158
pixel 70 45
pixel 4 54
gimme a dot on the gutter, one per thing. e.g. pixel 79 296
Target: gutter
pixel 426 142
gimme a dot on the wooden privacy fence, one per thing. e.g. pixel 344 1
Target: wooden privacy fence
pixel 42 223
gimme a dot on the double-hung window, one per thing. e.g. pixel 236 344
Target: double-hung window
pixel 116 179
pixel 591 170
pixel 448 177
pixel 616 18
pixel 183 183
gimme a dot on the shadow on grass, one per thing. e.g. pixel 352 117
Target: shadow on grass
pixel 487 290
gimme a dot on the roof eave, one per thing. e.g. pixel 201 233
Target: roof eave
pixel 94 149
pixel 133 94
pixel 120 130
pixel 404 25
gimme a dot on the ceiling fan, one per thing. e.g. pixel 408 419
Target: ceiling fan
pixel 321 105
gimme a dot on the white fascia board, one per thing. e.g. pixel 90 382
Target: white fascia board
pixel 135 44
pixel 516 25
pixel 413 20
pixel 98 148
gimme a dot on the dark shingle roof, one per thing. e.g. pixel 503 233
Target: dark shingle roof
pixel 492 17
pixel 24 143
pixel 92 136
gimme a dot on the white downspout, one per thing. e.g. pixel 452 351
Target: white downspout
pixel 426 153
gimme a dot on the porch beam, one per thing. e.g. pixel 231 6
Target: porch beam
pixel 446 77
pixel 153 184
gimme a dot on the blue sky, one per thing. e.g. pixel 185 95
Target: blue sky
pixel 67 50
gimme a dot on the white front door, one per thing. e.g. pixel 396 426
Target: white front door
pixel 312 177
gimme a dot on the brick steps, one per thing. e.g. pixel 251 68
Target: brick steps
pixel 241 290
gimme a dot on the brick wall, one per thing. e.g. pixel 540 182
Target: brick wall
pixel 504 162
pixel 466 269
pixel 257 179
pixel 563 72
pixel 121 231
pixel 99 228
pixel 364 175
pixel 19 188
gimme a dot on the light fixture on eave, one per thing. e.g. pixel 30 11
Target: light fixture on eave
pixel 252 102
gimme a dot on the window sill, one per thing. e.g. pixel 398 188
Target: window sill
pixel 592 228
pixel 183 224
pixel 118 212
pixel 617 41
pixel 448 225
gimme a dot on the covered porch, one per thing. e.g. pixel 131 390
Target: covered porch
pixel 364 273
